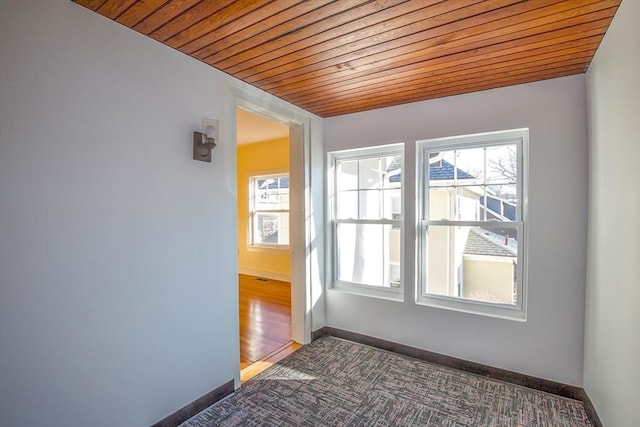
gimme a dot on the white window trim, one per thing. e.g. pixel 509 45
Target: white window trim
pixel 393 294
pixel 516 312
pixel 252 244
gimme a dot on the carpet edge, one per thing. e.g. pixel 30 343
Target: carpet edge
pixel 198 405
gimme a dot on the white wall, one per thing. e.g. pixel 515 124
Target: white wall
pixel 612 321
pixel 118 255
pixel 550 344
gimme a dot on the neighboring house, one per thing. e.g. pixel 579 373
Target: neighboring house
pixel 470 261
pixel 489 267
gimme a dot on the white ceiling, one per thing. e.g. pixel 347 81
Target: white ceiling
pixel 252 128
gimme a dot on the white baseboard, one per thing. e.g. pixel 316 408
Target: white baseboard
pixel 265 274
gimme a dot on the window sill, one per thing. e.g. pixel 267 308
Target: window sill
pixel 390 294
pixel 474 307
pixel 267 248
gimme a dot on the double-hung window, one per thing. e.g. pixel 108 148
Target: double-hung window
pixel 365 188
pixel 269 210
pixel 472 223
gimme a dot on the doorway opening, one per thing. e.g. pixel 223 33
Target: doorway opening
pixel 264 242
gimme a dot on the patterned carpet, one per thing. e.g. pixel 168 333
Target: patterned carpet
pixel 333 382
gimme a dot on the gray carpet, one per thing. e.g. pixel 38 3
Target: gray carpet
pixel 333 382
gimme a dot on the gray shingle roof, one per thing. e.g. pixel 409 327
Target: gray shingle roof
pixel 442 172
pixel 445 171
pixel 483 242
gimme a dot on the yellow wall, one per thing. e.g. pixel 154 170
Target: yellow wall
pixel 259 159
pixel 489 278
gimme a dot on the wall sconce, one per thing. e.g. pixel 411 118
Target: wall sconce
pixel 205 141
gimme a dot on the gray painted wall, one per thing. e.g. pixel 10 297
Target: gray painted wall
pixel 550 343
pixel 612 322
pixel 118 268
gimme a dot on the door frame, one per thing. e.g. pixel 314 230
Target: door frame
pixel 299 173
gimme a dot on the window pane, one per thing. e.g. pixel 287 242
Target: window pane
pixel 392 247
pixel 260 193
pixel 377 195
pixel 465 166
pixel 369 176
pixel 455 204
pixel 392 204
pixel 347 205
pixel 502 164
pixel 368 254
pixel 368 188
pixel 392 170
pixel 283 197
pixel 271 200
pixel 501 203
pixel 271 228
pixel 468 203
pixel 473 203
pixel 470 166
pixel 346 174
pixel 440 203
pixel 476 263
pixel 369 202
pixel 440 169
pixel 270 193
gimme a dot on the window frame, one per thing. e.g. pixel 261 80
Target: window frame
pixel 520 137
pixel 394 294
pixel 252 244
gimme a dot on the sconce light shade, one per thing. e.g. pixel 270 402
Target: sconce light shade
pixel 202 146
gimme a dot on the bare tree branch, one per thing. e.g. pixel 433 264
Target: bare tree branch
pixel 506 166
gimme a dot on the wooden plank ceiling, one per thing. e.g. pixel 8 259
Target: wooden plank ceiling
pixel 343 56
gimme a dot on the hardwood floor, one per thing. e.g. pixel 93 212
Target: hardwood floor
pixel 265 318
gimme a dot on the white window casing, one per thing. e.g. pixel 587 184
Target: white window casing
pixel 269 211
pixel 447 296
pixel 372 223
